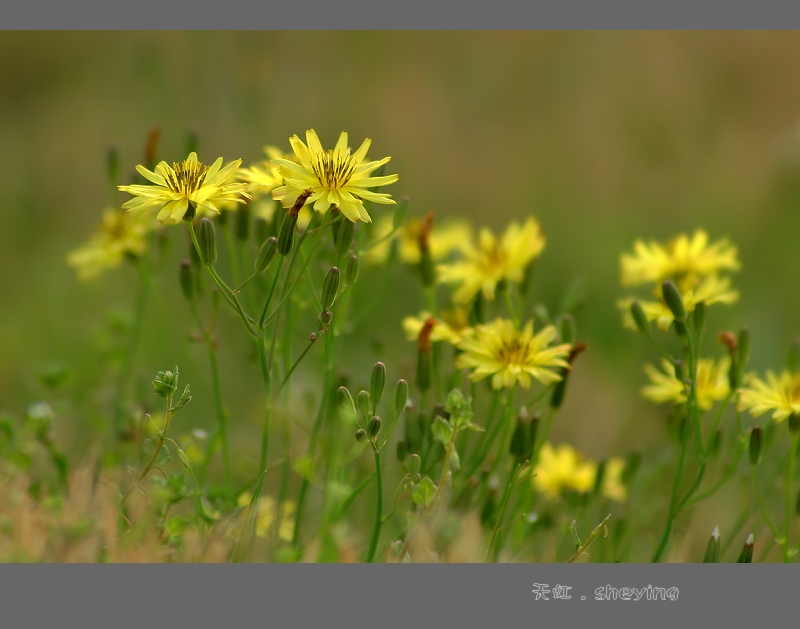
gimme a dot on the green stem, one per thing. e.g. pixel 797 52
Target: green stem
pixel 787 551
pixel 763 509
pixel 671 512
pixel 503 504
pixel 376 529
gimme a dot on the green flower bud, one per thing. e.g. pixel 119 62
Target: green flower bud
pixel 165 383
pixel 187 280
pixel 683 431
pixel 681 328
pixel 243 222
pixel 680 370
pixel 400 213
pixel 426 268
pixel 400 396
pixel 330 287
pixel 743 346
pixel 265 254
pixel 756 445
pixel 346 400
pixel 286 234
pixel 712 549
pixel 343 236
pixel 637 312
pixel 377 383
pixel 207 239
pixel 521 447
pixel 794 423
pixel 363 402
pixel 559 390
pixel 699 316
pixel 374 426
pixel 325 317
pixel 351 269
pixel 746 556
pixel 674 300
pixel 360 435
pixel 413 464
pixel 568 331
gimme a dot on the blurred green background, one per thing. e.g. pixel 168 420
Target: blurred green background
pixel 605 137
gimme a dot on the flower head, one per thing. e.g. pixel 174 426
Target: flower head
pixel 612 486
pixel 493 260
pixel 562 469
pixel 780 394
pixel 682 257
pixel 500 350
pixel 267 510
pixel 712 383
pixel 452 327
pixel 183 183
pixel 336 177
pixel 446 238
pixel 264 176
pixel 118 235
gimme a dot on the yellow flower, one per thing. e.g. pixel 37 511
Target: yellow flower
pixel 336 177
pixel 613 487
pixel 452 327
pixel 710 290
pixel 562 469
pixel 493 260
pixel 712 383
pixel 189 181
pixel 444 239
pixel 509 355
pixel 266 515
pixel 264 176
pixel 682 257
pixel 780 394
pixel 118 235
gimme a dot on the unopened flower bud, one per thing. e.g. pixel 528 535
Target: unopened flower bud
pixel 521 447
pixel 265 254
pixel 400 396
pixel 325 317
pixel 794 423
pixel 165 383
pixel 639 318
pixel 351 269
pixel 680 370
pixel 363 402
pixel 699 317
pixel 744 347
pixel 424 369
pixel 374 426
pixel 377 383
pixel 187 280
pixel 712 549
pixel 413 464
pixel 330 287
pixel 674 300
pixel 746 556
pixel 401 450
pixel 286 234
pixel 346 400
pixel 343 236
pixel 756 445
pixel 360 435
pixel 207 239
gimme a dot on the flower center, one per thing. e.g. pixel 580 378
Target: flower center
pixel 333 170
pixel 186 177
pixel 513 353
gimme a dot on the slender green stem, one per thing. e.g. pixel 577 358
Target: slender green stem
pixel 376 529
pixel 501 516
pixel 763 509
pixel 269 298
pixel 672 502
pixel 389 429
pixel 512 311
pixel 787 527
pixel 265 375
pixel 289 373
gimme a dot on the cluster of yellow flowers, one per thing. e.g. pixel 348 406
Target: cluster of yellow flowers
pixel 561 469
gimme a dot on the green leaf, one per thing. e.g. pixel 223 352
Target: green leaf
pixel 423 493
pixel 442 431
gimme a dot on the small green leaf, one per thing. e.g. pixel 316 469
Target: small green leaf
pixel 442 431
pixel 423 493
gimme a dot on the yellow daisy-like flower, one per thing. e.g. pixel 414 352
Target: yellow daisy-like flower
pixel 613 487
pixel 712 383
pixel 493 260
pixel 336 177
pixel 452 327
pixel 682 257
pixel 562 469
pixel 267 509
pixel 118 235
pixel 445 238
pixel 500 350
pixel 711 290
pixel 183 183
pixel 780 394
pixel 264 176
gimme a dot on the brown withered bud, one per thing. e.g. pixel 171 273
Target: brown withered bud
pixel 728 339
pixel 424 341
pixel 425 232
pixel 576 351
pixel 300 202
